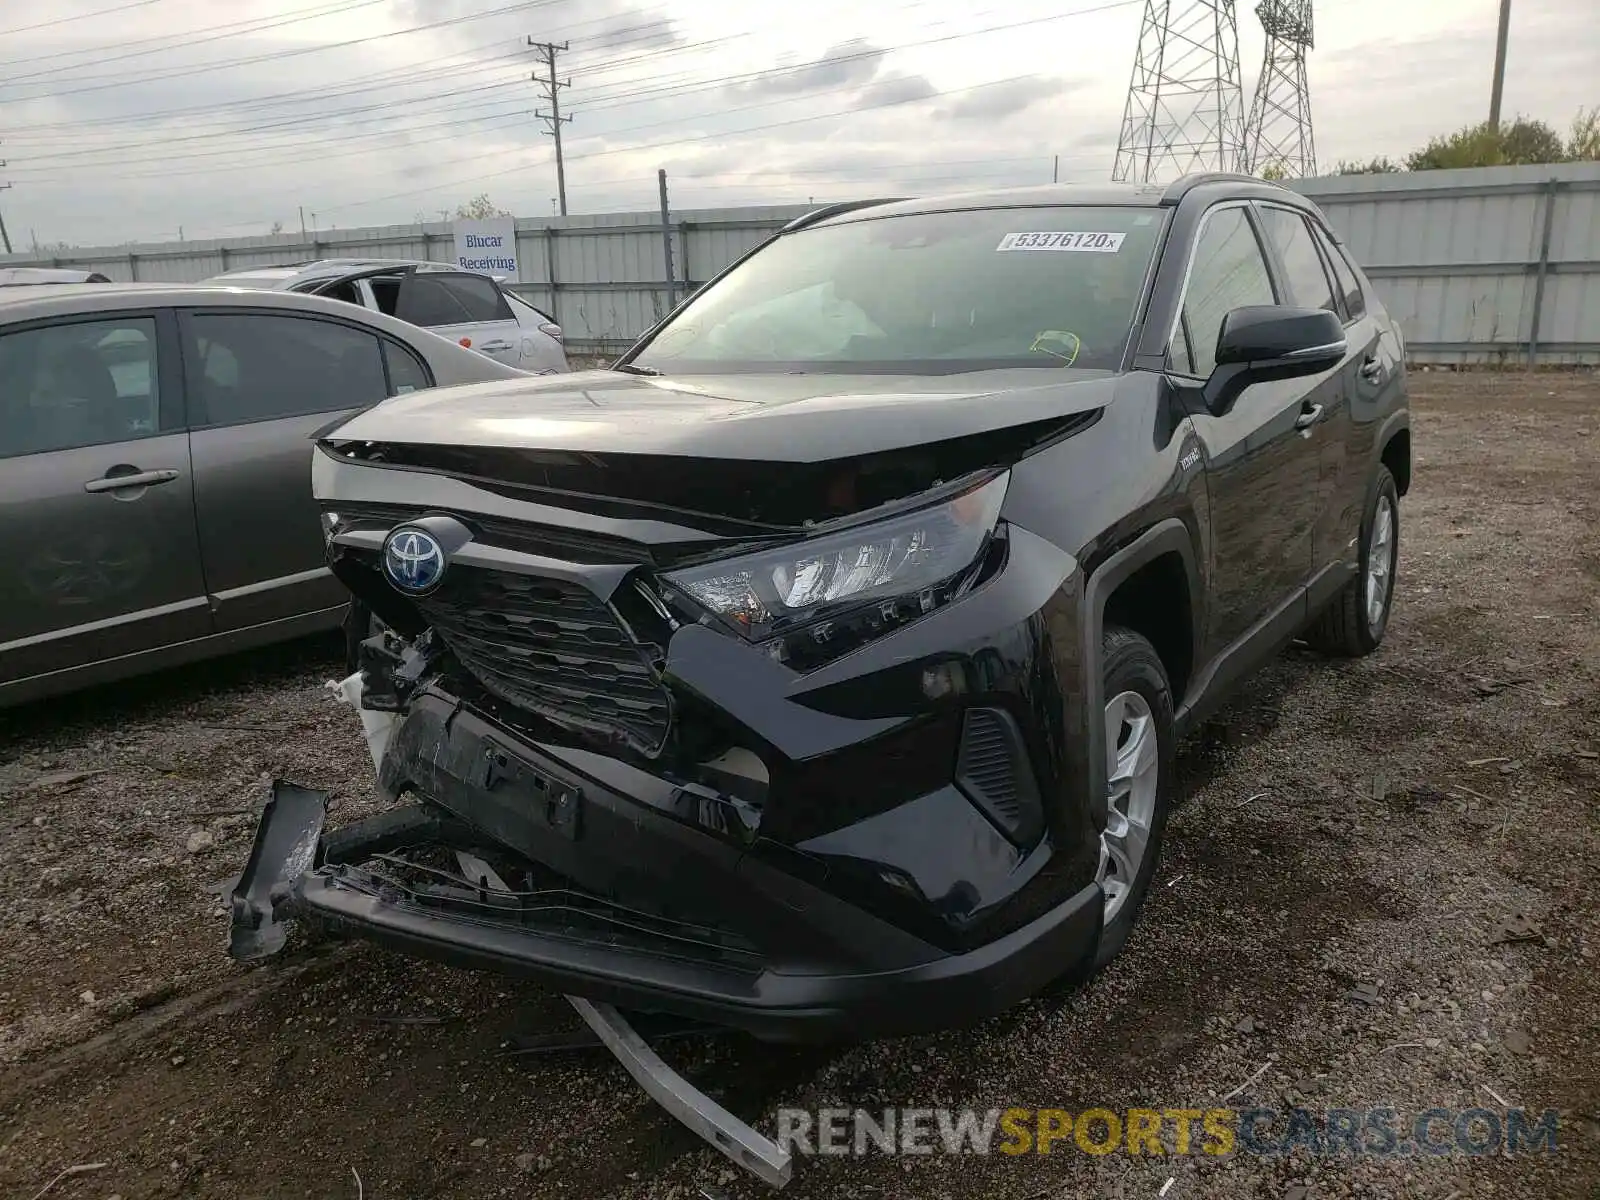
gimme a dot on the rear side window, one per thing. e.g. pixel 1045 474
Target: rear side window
pixel 83 383
pixel 1355 301
pixel 257 366
pixel 480 296
pixel 1228 272
pixel 406 372
pixel 426 301
pixel 1308 281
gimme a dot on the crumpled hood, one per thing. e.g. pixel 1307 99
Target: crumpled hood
pixel 769 417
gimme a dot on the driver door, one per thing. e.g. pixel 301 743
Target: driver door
pixel 1262 467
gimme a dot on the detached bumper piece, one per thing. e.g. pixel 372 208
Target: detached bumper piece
pixel 288 841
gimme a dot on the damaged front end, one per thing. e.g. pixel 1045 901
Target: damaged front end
pixel 665 745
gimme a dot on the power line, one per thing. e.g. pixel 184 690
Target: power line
pixel 617 99
pixel 389 77
pixel 381 111
pixel 546 53
pixel 289 123
pixel 408 76
pixel 190 38
pixel 104 12
pixel 279 55
pixel 669 144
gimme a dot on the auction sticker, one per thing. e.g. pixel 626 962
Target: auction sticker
pixel 1092 243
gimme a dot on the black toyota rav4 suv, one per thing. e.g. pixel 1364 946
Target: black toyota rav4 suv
pixel 817 668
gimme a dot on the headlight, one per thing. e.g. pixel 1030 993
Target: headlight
pixel 888 572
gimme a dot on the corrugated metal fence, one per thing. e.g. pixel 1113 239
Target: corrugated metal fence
pixel 1493 265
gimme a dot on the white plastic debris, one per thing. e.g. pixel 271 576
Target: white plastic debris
pixel 378 726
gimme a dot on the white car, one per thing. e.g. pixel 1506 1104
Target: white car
pixel 472 309
pixel 29 276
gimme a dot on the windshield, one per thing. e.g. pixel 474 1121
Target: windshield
pixel 927 293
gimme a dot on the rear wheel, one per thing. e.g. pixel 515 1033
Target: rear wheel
pixel 1353 624
pixel 1139 779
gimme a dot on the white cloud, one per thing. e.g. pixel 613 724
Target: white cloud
pixel 130 125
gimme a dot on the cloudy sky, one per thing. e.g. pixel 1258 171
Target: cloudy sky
pixel 130 119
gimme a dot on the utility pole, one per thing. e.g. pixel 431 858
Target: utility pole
pixel 666 242
pixel 302 220
pixel 4 236
pixel 546 52
pixel 1499 65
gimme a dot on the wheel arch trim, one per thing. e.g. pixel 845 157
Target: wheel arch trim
pixel 1395 423
pixel 1167 536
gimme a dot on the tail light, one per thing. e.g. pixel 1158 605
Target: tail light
pixel 551 329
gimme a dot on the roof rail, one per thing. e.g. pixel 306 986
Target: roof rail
pixel 835 210
pixel 1182 186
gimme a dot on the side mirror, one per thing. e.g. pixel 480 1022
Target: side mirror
pixel 1271 341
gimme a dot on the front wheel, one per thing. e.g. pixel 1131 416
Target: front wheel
pixel 1354 621
pixel 1139 780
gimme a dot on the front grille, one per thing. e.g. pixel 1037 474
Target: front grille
pixel 554 911
pixel 551 648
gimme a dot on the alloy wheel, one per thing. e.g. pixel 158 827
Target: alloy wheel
pixel 1380 562
pixel 1132 774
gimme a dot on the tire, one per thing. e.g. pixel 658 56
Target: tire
pixel 1349 627
pixel 1130 665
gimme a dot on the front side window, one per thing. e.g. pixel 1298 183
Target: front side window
pixel 258 366
pixel 1228 272
pixel 925 293
pixel 83 383
pixel 1307 278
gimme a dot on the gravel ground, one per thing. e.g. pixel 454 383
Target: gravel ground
pixel 1351 832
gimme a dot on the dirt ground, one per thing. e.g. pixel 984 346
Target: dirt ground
pixel 1368 823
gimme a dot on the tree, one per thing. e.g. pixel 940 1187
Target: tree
pixel 479 208
pixel 1274 170
pixel 277 228
pixel 1584 143
pixel 1523 141
pixel 1382 165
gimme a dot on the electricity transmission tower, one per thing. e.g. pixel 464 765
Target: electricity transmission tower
pixel 1278 132
pixel 546 52
pixel 1185 109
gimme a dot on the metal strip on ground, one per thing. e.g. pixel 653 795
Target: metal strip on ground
pixel 743 1145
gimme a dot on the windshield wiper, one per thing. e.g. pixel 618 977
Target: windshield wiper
pixel 634 369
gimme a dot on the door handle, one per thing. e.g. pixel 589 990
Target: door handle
pixel 495 346
pixel 112 483
pixel 1308 417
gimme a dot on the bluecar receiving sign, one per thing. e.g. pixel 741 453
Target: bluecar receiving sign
pixel 488 247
